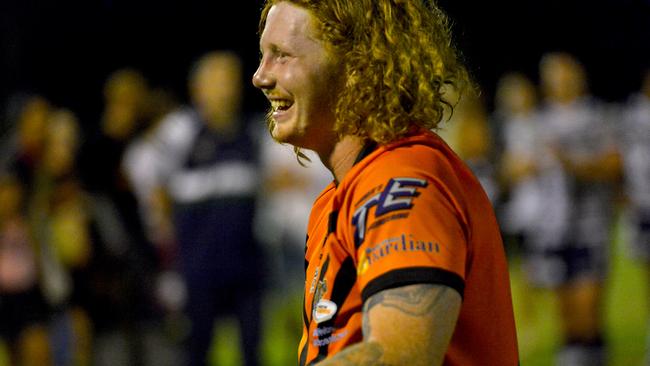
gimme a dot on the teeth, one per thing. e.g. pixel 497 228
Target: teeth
pixel 280 104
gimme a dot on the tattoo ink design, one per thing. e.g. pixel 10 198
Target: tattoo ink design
pixel 416 300
pixel 423 301
pixel 362 354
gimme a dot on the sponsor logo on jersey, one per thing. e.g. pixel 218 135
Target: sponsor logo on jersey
pixel 331 339
pixel 399 244
pixel 398 194
pixel 323 332
pixel 324 310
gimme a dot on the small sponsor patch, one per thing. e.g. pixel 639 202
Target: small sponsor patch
pixel 329 340
pixel 324 310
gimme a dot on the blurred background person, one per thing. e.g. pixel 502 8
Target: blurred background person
pixel 139 167
pixel 23 143
pixel 515 115
pixel 60 222
pixel 575 128
pixel 24 314
pixel 121 304
pixel 154 211
pixel 635 149
pixel 206 159
pixel 533 212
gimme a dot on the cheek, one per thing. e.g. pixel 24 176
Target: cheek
pixel 314 88
pixel 332 77
pixel 289 80
pixel 329 88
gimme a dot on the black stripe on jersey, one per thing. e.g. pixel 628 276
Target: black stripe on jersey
pixel 343 283
pixel 412 276
pixel 306 261
pixel 331 222
pixel 316 360
pixel 303 353
pixel 305 319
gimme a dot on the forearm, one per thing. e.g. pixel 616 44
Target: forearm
pixel 409 325
pixel 364 353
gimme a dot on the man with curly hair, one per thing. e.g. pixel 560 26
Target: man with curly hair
pixel 404 262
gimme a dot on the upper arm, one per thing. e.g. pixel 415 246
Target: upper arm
pixel 412 324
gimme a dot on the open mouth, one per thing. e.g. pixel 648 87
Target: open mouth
pixel 281 105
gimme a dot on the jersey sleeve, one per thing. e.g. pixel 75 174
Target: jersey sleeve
pixel 407 228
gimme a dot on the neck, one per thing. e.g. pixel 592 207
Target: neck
pixel 340 159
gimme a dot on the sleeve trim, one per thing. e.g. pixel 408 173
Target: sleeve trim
pixel 412 276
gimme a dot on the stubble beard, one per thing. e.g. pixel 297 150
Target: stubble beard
pixel 270 122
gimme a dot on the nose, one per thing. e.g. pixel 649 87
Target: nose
pixel 263 78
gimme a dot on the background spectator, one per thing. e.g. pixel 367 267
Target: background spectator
pixel 575 127
pixel 205 159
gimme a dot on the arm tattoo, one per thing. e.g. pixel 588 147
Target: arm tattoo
pixel 419 303
pixel 415 300
pixel 361 354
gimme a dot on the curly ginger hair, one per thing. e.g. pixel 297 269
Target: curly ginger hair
pixel 398 60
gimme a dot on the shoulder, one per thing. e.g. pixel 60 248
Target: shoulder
pixel 421 179
pixel 422 160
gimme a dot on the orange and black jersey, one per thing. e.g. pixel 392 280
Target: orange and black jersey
pixel 407 213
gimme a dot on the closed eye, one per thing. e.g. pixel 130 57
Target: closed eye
pixel 279 54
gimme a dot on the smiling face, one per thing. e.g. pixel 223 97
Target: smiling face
pixel 215 87
pixel 299 77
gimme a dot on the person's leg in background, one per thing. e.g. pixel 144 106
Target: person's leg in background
pixel 247 311
pixel 201 311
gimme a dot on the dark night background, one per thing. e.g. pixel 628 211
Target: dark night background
pixel 64 49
